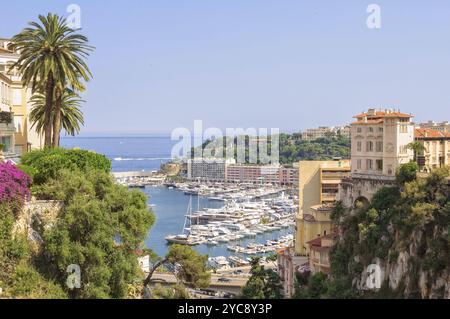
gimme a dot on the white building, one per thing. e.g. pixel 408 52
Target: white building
pixel 380 143
pixel 208 169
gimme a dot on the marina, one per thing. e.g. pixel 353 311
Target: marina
pixel 174 211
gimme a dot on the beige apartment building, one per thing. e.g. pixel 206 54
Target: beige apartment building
pixel 318 190
pixel 436 151
pixel 380 143
pixel 14 99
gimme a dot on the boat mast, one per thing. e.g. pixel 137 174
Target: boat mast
pixel 188 213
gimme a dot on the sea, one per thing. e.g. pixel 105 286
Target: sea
pixel 169 205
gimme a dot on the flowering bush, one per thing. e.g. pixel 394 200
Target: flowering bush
pixel 14 184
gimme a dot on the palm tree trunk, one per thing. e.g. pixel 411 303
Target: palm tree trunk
pixel 57 117
pixel 48 110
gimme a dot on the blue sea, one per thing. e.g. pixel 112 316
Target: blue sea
pixel 169 205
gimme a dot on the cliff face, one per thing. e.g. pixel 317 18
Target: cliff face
pixel 405 232
pixel 406 272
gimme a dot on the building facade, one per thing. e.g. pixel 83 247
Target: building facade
pixel 273 174
pixel 380 142
pixel 208 169
pixel 319 256
pixel 325 131
pixel 14 98
pixel 318 190
pixel 436 148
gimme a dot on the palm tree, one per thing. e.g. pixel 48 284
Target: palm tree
pixel 52 55
pixel 71 118
pixel 418 149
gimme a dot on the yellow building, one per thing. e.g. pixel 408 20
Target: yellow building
pixel 14 98
pixel 318 189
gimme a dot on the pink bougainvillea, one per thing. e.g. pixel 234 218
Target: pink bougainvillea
pixel 14 184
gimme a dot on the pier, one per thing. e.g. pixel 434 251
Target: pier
pixel 139 178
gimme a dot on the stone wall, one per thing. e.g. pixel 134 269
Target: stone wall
pixel 353 189
pixel 37 215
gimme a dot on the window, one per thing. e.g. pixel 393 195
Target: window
pixel 379 146
pixel 369 164
pixel 359 146
pixel 380 129
pixel 359 129
pixel 403 149
pixel 6 141
pixel 403 128
pixel 379 164
pixel 371 129
pixel 369 146
pixel 358 164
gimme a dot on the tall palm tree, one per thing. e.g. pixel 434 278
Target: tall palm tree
pixel 52 54
pixel 418 149
pixel 71 118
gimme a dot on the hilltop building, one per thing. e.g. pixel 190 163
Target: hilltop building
pixel 325 131
pixel 14 99
pixel 379 142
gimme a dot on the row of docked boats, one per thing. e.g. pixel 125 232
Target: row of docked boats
pixel 269 247
pixel 235 221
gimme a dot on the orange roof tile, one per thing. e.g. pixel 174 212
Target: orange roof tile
pixel 429 133
pixel 384 114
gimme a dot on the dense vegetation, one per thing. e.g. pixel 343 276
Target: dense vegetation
pixel 45 165
pixel 291 148
pixel 411 219
pixel 100 227
pixel 263 283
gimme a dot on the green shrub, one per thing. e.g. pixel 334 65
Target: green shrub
pixel 407 172
pixel 48 162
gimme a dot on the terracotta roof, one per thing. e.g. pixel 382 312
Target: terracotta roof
pixel 369 122
pixel 315 242
pixel 429 133
pixel 309 218
pixel 384 114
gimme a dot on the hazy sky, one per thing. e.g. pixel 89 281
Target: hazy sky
pixel 291 65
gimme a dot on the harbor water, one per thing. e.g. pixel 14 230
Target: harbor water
pixel 169 205
pixel 170 209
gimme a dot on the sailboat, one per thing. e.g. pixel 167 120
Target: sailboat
pixel 185 239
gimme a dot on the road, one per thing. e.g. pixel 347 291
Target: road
pixel 235 281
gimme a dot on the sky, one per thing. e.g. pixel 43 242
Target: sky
pixel 159 65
